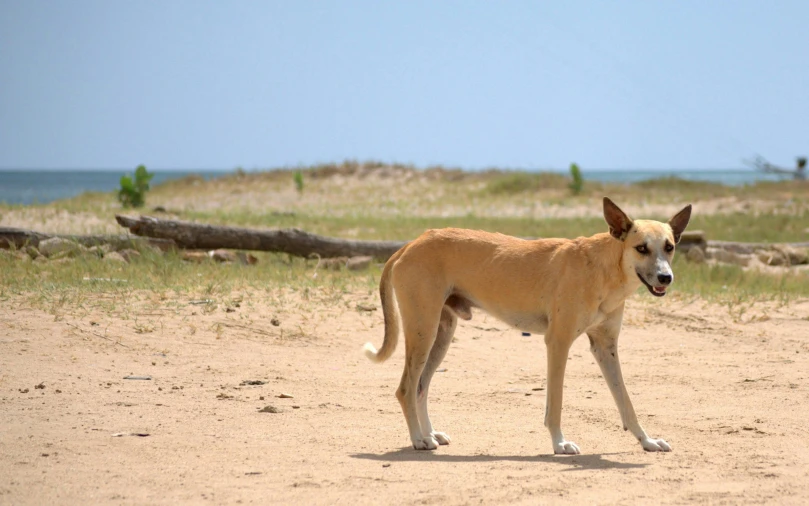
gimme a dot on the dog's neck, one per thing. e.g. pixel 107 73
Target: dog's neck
pixel 607 252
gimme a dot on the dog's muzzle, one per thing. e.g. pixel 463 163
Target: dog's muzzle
pixel 659 289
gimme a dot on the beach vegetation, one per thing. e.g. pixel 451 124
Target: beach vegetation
pixel 577 180
pixel 133 190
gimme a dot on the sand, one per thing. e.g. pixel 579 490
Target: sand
pixel 728 389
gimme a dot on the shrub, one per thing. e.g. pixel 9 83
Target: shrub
pixel 133 192
pixel 298 178
pixel 577 183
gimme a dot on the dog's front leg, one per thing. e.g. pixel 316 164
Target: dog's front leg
pixel 604 346
pixel 558 344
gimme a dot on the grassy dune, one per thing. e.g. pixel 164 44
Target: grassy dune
pixel 374 201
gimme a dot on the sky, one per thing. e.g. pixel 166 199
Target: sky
pixel 196 84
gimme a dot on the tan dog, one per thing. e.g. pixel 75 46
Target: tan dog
pixel 559 287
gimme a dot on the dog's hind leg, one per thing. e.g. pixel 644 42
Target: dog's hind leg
pixel 443 338
pixel 558 340
pixel 420 320
pixel 604 346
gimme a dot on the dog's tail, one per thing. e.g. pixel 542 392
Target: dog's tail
pixel 390 314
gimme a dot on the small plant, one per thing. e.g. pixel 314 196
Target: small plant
pixel 298 178
pixel 133 192
pixel 578 180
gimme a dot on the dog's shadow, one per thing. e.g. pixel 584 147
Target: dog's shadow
pixel 573 462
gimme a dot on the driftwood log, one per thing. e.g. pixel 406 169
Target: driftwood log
pixel 288 240
pixel 19 238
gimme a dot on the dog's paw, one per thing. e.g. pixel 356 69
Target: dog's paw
pixel 566 448
pixel 655 445
pixel 441 437
pixel 428 443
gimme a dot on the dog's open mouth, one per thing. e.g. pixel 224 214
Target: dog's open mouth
pixel 657 291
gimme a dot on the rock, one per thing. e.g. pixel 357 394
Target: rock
pixel 696 255
pixel 269 409
pixel 796 256
pixel 728 257
pixel 129 254
pixel 195 256
pixel 223 255
pixel 285 396
pixel 100 249
pixel 247 258
pixel 114 256
pixel 358 263
pixel 56 246
pixel 334 264
pixel 772 257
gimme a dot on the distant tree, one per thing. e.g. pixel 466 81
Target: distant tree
pixel 577 182
pixel 133 191
pixel 297 177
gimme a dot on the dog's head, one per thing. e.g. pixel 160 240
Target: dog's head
pixel 648 245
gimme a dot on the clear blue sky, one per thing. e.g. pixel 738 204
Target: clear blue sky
pixel 520 84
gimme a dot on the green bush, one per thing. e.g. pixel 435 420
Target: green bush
pixel 577 183
pixel 298 178
pixel 133 192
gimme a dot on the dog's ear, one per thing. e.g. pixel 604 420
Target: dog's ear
pixel 679 222
pixel 620 224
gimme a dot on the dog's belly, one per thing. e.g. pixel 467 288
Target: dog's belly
pixel 528 322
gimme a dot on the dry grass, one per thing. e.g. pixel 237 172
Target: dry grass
pixel 377 201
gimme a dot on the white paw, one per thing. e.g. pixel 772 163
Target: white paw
pixel 441 437
pixel 655 445
pixel 566 448
pixel 428 443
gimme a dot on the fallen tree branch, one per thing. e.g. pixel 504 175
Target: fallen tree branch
pixel 747 248
pixel 288 240
pixel 19 238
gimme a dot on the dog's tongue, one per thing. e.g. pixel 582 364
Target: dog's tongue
pixel 660 289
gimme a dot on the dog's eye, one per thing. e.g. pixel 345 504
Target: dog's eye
pixel 669 247
pixel 642 249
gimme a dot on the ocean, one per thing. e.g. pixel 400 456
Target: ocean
pixel 43 186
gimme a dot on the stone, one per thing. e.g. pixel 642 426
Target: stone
pixel 195 256
pixel 695 255
pixel 772 257
pixel 223 255
pixel 728 257
pixel 114 256
pixel 359 263
pixel 796 256
pixel 58 246
pixel 129 254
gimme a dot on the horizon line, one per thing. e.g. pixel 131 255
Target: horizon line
pixel 291 167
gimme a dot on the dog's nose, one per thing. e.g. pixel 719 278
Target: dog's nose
pixel 664 279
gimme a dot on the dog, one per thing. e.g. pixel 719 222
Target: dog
pixel 557 287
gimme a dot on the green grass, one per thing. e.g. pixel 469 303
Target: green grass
pixel 763 227
pixel 731 283
pixel 61 286
pixel 53 282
